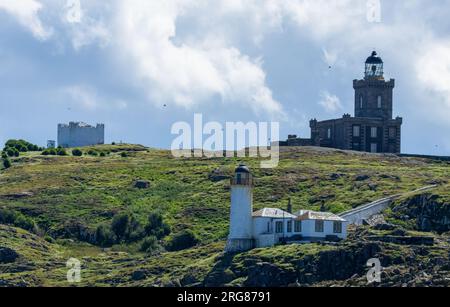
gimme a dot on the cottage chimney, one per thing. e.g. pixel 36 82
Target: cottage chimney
pixel 323 208
pixel 289 206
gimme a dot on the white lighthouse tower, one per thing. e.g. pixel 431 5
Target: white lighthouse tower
pixel 241 222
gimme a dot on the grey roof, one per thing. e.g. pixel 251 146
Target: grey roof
pixel 273 213
pixel 313 215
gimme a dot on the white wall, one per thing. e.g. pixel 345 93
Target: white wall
pixel 308 230
pixel 74 136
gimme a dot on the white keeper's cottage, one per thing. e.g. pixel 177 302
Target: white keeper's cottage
pixel 269 226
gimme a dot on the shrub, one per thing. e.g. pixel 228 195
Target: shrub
pixel 182 240
pixel 104 236
pixel 4 155
pixel 119 225
pixel 22 148
pixel 149 245
pixel 50 152
pixel 77 153
pixel 21 145
pixel 6 163
pixel 124 154
pixel 102 154
pixel 92 152
pixel 17 219
pixel 12 152
pixel 135 231
pixel 61 152
pixel 156 226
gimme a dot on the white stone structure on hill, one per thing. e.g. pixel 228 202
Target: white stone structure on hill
pixel 78 134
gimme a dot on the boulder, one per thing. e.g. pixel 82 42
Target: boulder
pixel 142 184
pixel 217 175
pixel 138 275
pixel 384 226
pixel 8 255
pixel 362 177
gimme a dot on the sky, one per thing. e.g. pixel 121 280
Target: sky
pixel 139 66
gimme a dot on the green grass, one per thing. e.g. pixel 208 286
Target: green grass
pixel 91 190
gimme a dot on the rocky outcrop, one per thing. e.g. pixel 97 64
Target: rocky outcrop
pixel 335 264
pixel 8 255
pixel 218 175
pixel 429 211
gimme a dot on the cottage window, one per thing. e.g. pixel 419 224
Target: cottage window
pixel 329 133
pixel 337 227
pixel 361 100
pixel 379 102
pixel 319 226
pixel 298 226
pixel 374 132
pixel 356 131
pixel 279 227
pixel 289 226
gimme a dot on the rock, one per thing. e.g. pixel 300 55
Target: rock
pixel 139 275
pixel 384 226
pixel 8 255
pixel 362 177
pixel 373 186
pixel 18 195
pixel 374 220
pixel 217 175
pixel 428 210
pixel 269 275
pixel 399 232
pixel 403 240
pixel 335 176
pixel 217 278
pixel 142 184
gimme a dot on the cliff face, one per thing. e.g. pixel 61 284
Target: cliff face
pixel 345 265
pixel 430 212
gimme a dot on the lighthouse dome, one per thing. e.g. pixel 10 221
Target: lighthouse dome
pixel 242 168
pixel 374 59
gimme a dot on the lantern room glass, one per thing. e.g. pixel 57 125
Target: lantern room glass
pixel 374 70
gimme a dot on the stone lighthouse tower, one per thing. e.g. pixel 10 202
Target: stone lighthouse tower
pixel 241 222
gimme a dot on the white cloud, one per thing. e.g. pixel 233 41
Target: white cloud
pixel 83 29
pixel 192 71
pixel 433 70
pixel 330 103
pixel 26 12
pixel 87 98
pixel 84 96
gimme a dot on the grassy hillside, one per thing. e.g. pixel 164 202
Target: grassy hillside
pixel 61 194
